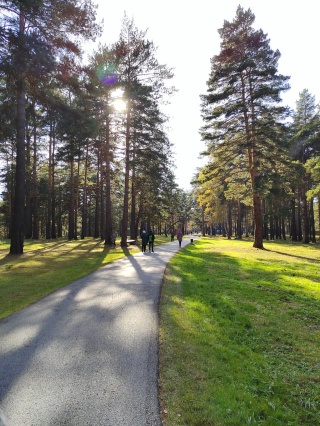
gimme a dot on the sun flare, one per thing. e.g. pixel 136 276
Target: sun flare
pixel 119 105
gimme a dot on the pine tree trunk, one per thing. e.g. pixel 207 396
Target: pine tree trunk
pixel 319 214
pixel 283 228
pixel 76 200
pixel 305 213
pixel 84 225
pixel 17 224
pixel 71 203
pixel 97 200
pixel 294 236
pixel 53 190
pixel 271 226
pixel 239 220
pixel 49 188
pixel 125 216
pixel 312 223
pixel 109 225
pixel 28 208
pixel 229 220
pixel 133 231
pixel 299 216
pixel 17 227
pixel 258 222
pixel 35 192
pixel 203 227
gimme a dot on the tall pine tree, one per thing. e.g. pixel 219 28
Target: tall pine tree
pixel 241 107
pixel 34 33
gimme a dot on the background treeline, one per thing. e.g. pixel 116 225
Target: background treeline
pixel 84 149
pixel 74 163
pixel 263 169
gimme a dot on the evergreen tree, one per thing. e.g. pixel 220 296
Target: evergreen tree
pixel 137 66
pixel 240 108
pixel 35 32
pixel 305 146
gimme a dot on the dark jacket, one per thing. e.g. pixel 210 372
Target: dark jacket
pixel 144 238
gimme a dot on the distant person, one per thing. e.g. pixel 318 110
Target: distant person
pixel 144 240
pixel 113 238
pixel 151 240
pixel 179 237
pixel 172 236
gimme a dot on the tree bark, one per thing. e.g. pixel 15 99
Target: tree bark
pixel 258 238
pixel 17 227
pixel 71 203
pixel 125 216
pixel 108 213
pixel 35 192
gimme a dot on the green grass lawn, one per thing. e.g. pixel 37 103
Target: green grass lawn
pixel 48 265
pixel 239 338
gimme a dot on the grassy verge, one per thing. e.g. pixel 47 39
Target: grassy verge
pixel 48 265
pixel 240 338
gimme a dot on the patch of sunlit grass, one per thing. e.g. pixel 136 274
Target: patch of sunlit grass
pixel 239 338
pixel 48 265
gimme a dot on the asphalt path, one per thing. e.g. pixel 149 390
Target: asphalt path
pixel 88 354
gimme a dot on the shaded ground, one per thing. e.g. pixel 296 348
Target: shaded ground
pixel 88 353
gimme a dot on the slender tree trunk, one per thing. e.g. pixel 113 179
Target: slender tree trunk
pixel 283 228
pixel 239 220
pixel 319 213
pixel 76 199
pixel 272 233
pixel 133 229
pixel 305 213
pixel 258 222
pixel 299 216
pixel 203 224
pixel 71 203
pixel 312 223
pixel 35 192
pixel 84 225
pixel 109 225
pixel 28 208
pixel 59 213
pixel 125 216
pixel 294 236
pixel 229 220
pixel 49 189
pixel 102 209
pixel 97 199
pixel 17 228
pixel 53 191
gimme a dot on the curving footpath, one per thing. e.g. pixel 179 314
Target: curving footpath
pixel 88 354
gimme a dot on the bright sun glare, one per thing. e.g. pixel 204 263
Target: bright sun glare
pixel 119 105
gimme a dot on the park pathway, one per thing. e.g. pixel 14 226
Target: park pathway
pixel 88 354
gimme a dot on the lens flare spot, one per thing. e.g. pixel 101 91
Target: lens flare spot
pixel 107 73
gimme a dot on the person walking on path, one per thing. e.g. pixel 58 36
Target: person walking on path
pixel 151 238
pixel 179 237
pixel 144 241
